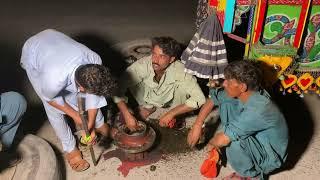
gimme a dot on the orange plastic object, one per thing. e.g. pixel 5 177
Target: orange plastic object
pixel 209 166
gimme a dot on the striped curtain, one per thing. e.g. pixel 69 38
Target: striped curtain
pixel 206 55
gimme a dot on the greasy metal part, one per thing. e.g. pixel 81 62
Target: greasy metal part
pixel 134 142
pixel 136 156
pixel 143 49
pixel 81 106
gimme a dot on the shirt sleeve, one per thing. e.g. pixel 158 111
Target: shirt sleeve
pixel 133 75
pixel 59 100
pixel 196 98
pixel 94 101
pixel 248 123
pixel 217 95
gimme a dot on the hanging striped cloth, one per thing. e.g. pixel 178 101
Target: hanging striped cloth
pixel 206 55
pixel 202 12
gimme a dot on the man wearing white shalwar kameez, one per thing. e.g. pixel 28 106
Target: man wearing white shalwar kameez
pixel 53 62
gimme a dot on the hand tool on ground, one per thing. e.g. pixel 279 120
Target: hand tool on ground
pixel 81 106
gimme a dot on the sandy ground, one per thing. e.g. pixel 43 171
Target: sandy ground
pixel 185 165
pixel 181 164
pixel 176 165
pixel 110 22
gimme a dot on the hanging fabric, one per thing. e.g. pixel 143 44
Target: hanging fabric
pixel 206 55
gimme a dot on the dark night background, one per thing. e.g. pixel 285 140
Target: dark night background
pixel 100 24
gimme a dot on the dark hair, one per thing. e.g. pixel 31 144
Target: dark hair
pixel 245 71
pixel 96 79
pixel 169 46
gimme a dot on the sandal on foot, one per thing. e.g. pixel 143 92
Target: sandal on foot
pixel 76 162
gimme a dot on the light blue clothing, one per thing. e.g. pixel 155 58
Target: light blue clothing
pixel 257 130
pixel 50 59
pixel 13 106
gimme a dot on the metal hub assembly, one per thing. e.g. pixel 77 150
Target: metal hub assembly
pixel 134 142
pixel 143 49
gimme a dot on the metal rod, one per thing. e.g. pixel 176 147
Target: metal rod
pixel 81 106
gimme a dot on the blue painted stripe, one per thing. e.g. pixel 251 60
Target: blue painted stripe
pixel 228 16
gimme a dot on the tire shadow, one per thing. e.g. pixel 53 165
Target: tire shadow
pixel 111 58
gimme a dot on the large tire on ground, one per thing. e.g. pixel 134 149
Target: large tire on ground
pixel 134 50
pixel 39 160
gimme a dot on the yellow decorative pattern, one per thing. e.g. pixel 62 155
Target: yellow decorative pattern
pixel 318 81
pixel 305 81
pixel 222 5
pixel 273 67
pixel 282 62
pixel 289 81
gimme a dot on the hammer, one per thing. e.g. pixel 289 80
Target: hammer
pixel 81 106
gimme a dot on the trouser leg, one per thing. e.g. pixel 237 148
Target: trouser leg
pixel 240 160
pixel 61 128
pixel 13 106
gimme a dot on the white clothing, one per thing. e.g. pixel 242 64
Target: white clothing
pixel 50 59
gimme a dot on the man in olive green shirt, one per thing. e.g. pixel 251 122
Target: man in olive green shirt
pixel 159 81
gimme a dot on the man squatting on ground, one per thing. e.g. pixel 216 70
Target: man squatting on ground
pixel 159 80
pixel 58 68
pixel 253 131
pixel 12 107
